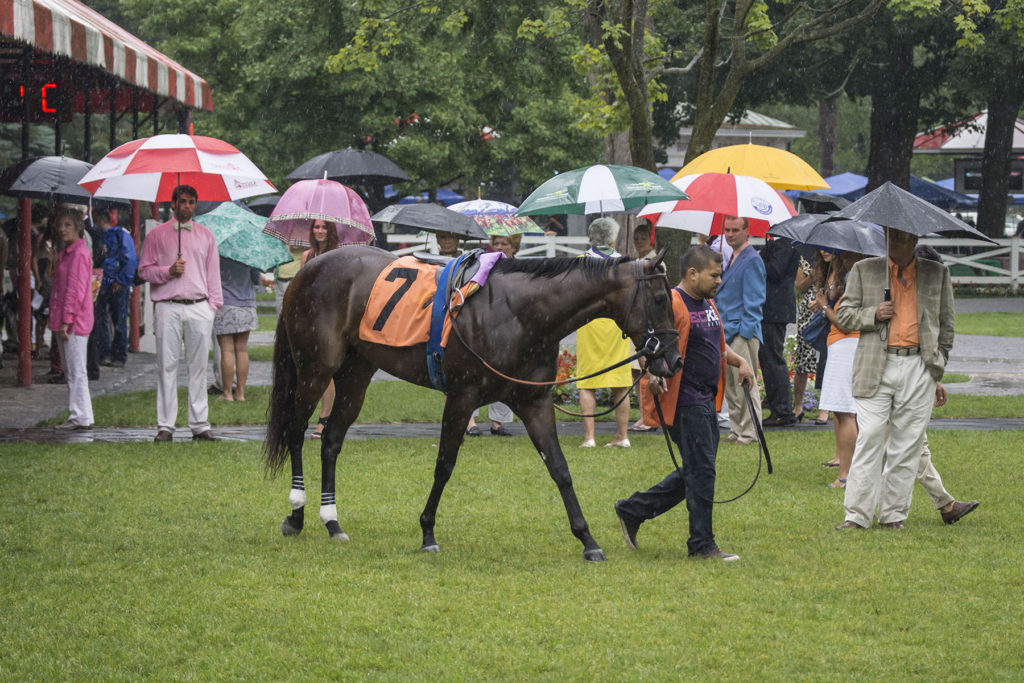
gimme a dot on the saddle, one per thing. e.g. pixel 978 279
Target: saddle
pixel 468 266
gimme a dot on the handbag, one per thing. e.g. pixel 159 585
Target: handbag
pixel 815 332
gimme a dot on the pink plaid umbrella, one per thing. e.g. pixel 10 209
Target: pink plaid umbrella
pixel 326 200
pixel 149 169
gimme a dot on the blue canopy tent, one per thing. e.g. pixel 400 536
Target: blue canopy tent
pixel 446 197
pixel 852 186
pixel 950 183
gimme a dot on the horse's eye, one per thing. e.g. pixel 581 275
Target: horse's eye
pixel 660 299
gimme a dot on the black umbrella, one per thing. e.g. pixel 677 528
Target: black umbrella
pixel 825 232
pixel 432 218
pixel 264 205
pixel 351 167
pixel 54 179
pixel 894 208
pixel 819 201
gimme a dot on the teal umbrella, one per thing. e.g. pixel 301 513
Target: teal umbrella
pixel 604 188
pixel 240 237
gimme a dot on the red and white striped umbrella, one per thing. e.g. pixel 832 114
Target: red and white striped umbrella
pixel 150 168
pixel 713 197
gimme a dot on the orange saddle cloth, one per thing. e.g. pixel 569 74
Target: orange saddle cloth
pixel 398 312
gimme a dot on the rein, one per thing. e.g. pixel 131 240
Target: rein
pixel 762 447
pixel 651 348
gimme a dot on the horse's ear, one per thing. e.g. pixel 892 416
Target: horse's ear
pixel 660 257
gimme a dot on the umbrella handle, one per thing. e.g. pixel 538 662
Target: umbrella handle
pixel 888 295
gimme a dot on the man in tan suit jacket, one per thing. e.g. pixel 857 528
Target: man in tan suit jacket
pixel 902 352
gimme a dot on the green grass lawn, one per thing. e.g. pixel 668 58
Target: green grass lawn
pixel 153 561
pixel 990 324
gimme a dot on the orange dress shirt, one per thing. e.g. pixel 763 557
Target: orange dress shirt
pixel 903 284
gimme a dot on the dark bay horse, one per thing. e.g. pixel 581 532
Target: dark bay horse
pixel 515 323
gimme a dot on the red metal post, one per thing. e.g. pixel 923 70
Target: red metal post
pixel 24 286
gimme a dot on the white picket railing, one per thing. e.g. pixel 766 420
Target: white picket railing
pixel 970 261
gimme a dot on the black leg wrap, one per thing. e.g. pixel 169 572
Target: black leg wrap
pixel 292 524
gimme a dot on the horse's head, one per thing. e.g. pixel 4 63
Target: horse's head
pixel 648 318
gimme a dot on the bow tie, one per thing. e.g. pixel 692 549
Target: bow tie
pixel 186 226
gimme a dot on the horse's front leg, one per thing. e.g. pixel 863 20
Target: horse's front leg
pixel 539 417
pixel 457 411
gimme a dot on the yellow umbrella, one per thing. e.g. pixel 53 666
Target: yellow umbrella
pixel 781 169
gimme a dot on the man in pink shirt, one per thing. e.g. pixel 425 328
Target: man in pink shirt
pixel 180 261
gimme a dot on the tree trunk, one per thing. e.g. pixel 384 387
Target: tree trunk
pixel 1003 105
pixel 895 102
pixel 827 135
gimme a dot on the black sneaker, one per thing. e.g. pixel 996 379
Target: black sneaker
pixel 629 528
pixel 500 431
pixel 717 554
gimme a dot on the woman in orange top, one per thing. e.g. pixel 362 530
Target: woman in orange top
pixel 837 387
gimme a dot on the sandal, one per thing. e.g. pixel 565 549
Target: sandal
pixel 642 428
pixel 319 430
pixel 842 484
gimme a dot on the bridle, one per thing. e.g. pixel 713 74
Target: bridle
pixel 652 347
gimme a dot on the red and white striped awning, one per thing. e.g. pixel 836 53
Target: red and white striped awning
pixel 69 28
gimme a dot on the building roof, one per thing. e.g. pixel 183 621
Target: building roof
pixel 964 137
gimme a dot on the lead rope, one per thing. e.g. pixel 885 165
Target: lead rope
pixel 761 447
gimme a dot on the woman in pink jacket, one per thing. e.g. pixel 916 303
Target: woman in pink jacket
pixel 71 312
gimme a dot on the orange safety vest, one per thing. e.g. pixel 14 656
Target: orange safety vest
pixel 671 396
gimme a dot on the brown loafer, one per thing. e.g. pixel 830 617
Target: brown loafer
pixel 958 510
pixel 205 436
pixel 891 525
pixel 849 525
pixel 162 435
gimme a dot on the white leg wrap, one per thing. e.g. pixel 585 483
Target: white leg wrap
pixel 297 497
pixel 328 513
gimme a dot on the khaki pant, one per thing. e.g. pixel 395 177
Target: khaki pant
pixel 741 424
pixel 177 326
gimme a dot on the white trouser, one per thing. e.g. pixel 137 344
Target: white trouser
pixel 928 477
pixel 497 412
pixel 882 476
pixel 72 353
pixel 191 325
pixel 280 287
pixel 741 423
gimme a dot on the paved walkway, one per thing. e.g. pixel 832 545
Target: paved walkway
pixel 995 364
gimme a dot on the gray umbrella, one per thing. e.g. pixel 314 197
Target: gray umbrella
pixel 432 218
pixel 351 167
pixel 52 178
pixel 825 232
pixel 892 207
pixel 819 201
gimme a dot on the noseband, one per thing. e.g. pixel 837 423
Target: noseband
pixel 652 347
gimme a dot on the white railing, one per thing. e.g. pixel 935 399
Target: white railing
pixel 971 261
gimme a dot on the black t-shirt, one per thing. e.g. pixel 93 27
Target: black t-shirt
pixel 703 363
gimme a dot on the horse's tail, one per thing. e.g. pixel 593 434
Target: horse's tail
pixel 281 409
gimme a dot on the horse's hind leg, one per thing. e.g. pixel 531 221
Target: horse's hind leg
pixel 539 418
pixel 453 430
pixel 350 384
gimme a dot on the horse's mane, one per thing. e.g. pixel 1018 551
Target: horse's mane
pixel 594 268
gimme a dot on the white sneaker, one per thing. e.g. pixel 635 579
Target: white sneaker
pixel 589 443
pixel 618 444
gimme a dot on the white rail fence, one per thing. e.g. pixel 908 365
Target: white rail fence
pixel 970 261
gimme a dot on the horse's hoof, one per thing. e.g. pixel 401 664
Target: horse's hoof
pixel 288 530
pixel 595 555
pixel 335 532
pixel 434 548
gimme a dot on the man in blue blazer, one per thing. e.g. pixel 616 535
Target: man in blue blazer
pixel 740 300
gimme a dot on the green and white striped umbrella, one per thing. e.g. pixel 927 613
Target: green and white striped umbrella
pixel 603 188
